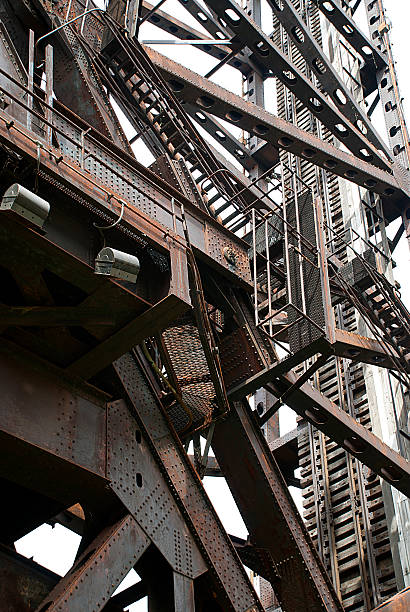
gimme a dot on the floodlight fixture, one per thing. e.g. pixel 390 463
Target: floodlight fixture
pixel 26 204
pixel 110 262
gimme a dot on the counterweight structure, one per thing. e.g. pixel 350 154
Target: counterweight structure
pixel 148 311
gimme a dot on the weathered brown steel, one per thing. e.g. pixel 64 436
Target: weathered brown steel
pixel 107 458
pixel 218 101
pixel 270 515
pixel 398 603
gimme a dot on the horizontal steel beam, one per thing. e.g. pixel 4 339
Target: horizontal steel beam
pixel 48 316
pixel 191 87
pixel 206 234
pixel 363 349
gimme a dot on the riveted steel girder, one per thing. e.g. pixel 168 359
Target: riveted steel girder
pixel 332 114
pixel 324 71
pixel 191 87
pixel 348 28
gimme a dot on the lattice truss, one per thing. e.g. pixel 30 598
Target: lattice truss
pixel 153 310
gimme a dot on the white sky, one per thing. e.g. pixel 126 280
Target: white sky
pixel 56 548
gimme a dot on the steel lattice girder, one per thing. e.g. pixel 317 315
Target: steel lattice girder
pixel 324 71
pixel 348 28
pixel 278 64
pixel 193 88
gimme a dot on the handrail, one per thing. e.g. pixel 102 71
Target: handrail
pixel 66 23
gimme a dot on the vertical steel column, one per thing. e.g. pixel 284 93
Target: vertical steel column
pixel 30 72
pixel 184 600
pixel 49 91
pixel 389 91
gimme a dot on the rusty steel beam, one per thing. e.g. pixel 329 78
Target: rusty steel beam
pixel 326 416
pixel 348 28
pixel 23 583
pixel 397 603
pixel 272 519
pixel 47 316
pixel 228 141
pixel 188 86
pixel 177 28
pixel 334 116
pixel 60 401
pixel 363 349
pixel 205 17
pixel 226 570
pixel 206 234
pixel 147 324
pixel 100 569
pixel 324 71
pixel 340 427
pixel 128 596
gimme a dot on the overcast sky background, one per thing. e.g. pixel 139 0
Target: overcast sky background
pixel 55 548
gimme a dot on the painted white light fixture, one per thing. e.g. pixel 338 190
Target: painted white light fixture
pixel 26 204
pixel 110 262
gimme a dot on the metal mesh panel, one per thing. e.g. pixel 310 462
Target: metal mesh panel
pixel 188 359
pixel 305 285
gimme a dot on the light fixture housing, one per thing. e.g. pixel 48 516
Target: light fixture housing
pixel 117 264
pixel 26 204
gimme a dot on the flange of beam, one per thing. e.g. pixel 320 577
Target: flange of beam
pixel 191 87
